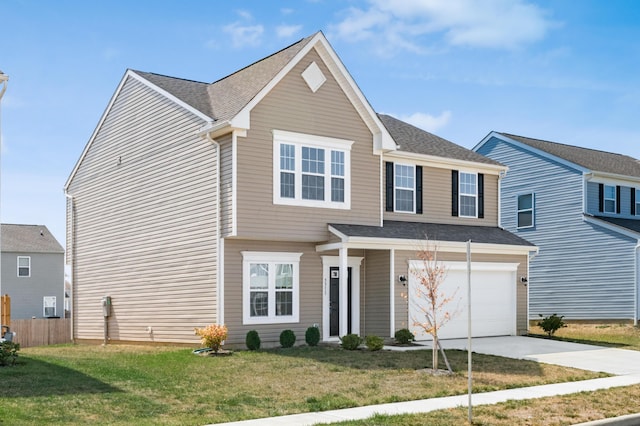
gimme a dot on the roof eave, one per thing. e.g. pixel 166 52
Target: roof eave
pixel 446 163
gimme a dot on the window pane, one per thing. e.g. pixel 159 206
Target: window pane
pixel 524 202
pixel 337 189
pixel 284 303
pixel 287 185
pixel 259 304
pixel 312 160
pixel 467 184
pixel 337 163
pixel 259 275
pixel 610 206
pixel 525 219
pixel 610 192
pixel 284 276
pixel 467 206
pixel 404 177
pixel 404 200
pixel 23 262
pixel 287 157
pixel 312 187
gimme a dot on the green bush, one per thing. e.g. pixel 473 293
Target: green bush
pixel 287 338
pixel 8 353
pixel 551 324
pixel 253 340
pixel 351 342
pixel 404 336
pixel 312 336
pixel 374 343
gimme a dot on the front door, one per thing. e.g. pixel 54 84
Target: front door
pixel 334 301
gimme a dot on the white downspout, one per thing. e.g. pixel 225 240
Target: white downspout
pixel 72 257
pixel 635 287
pixel 392 299
pixel 220 280
pixel 501 176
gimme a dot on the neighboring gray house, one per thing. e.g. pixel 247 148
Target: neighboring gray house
pixel 32 271
pixel 581 207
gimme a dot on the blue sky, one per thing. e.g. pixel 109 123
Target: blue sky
pixel 565 71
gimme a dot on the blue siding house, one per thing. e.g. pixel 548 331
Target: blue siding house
pixel 581 207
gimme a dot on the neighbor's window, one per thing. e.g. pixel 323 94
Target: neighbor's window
pixel 609 199
pixel 468 194
pixel 270 287
pixel 637 202
pixel 525 210
pixel 405 184
pixel 49 306
pixel 24 266
pixel 311 170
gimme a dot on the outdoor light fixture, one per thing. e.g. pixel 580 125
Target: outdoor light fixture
pixel 402 279
pixel 524 279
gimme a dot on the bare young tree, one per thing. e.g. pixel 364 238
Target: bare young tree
pixel 434 311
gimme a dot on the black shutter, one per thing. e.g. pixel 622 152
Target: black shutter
pixel 633 201
pixel 618 199
pixel 480 195
pixel 454 193
pixel 418 189
pixel 389 186
pixel 601 197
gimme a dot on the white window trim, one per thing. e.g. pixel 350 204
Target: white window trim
pixel 395 188
pixel 44 306
pixel 460 194
pixel 532 209
pixel 298 140
pixel 605 199
pixel 637 201
pixel 249 257
pixel 18 266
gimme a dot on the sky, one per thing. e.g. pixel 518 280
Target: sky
pixel 565 71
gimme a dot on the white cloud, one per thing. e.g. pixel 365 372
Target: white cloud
pixel 406 24
pixel 110 53
pixel 286 31
pixel 428 122
pixel 244 35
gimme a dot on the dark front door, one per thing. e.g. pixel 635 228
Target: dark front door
pixel 334 301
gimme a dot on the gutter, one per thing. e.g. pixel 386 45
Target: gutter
pixel 635 287
pixel 72 257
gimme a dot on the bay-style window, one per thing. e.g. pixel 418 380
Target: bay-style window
pixel 310 170
pixel 271 287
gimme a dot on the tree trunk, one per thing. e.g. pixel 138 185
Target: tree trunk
pixel 434 361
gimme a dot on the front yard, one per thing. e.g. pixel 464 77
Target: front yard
pixel 162 385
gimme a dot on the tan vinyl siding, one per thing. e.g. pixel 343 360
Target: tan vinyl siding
pixel 374 310
pixel 401 267
pixel 310 290
pixel 145 226
pixel 291 106
pixel 226 186
pixel 436 200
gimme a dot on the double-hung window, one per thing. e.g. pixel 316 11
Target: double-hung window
pixel 525 210
pixel 49 306
pixel 24 266
pixel 609 199
pixel 405 187
pixel 468 195
pixel 637 201
pixel 312 171
pixel 271 287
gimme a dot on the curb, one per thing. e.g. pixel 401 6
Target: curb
pixel 628 420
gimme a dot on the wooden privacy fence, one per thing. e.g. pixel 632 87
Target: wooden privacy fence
pixel 41 332
pixel 5 310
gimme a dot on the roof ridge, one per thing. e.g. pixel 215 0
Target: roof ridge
pixel 169 76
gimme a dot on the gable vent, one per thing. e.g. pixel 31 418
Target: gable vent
pixel 314 77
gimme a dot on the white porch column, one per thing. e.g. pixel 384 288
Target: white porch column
pixel 344 293
pixel 392 293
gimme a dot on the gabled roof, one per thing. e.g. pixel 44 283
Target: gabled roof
pixel 28 239
pixel 591 159
pixel 414 140
pixel 415 231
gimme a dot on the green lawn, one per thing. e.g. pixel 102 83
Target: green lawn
pixel 624 336
pixel 162 385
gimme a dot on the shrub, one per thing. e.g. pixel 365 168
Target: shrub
pixel 287 338
pixel 374 343
pixel 404 336
pixel 551 324
pixel 312 336
pixel 351 342
pixel 212 336
pixel 253 340
pixel 8 353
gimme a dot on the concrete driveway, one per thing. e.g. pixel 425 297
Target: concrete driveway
pixel 576 355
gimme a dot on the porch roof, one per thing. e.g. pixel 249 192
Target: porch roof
pixel 421 231
pixel 632 225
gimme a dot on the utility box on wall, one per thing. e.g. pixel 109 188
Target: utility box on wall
pixel 106 306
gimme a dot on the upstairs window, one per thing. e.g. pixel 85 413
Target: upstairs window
pixel 24 266
pixel 405 183
pixel 636 201
pixel 525 211
pixel 609 199
pixel 468 195
pixel 311 171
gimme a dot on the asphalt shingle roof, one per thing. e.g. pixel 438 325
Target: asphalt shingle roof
pixel 592 159
pixel 433 231
pixel 631 224
pixel 418 141
pixel 28 239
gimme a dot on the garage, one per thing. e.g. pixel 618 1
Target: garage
pixel 493 300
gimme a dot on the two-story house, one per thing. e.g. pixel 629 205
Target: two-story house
pixel 581 207
pixel 32 271
pixel 276 198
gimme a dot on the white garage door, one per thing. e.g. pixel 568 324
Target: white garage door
pixel 493 300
